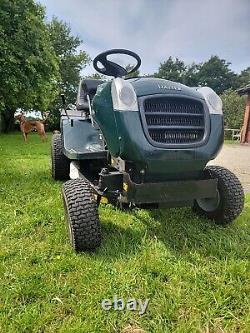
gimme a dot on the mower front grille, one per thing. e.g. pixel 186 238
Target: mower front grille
pixel 174 120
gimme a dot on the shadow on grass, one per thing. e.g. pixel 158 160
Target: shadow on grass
pixel 118 241
pixel 181 231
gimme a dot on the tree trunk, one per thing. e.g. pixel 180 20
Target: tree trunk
pixel 8 120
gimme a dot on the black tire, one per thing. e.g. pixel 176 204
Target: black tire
pixel 60 164
pixel 82 215
pixel 230 199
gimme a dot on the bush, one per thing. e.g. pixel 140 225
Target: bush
pixel 233 108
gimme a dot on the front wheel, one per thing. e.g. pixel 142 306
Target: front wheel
pixel 81 213
pixel 229 201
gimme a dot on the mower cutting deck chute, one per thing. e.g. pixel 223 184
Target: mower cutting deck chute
pixel 141 142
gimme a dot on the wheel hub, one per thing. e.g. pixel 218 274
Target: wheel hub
pixel 209 204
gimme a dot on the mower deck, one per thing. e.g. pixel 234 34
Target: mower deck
pixel 164 194
pixel 170 193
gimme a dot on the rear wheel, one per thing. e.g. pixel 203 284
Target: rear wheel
pixel 229 201
pixel 60 164
pixel 81 214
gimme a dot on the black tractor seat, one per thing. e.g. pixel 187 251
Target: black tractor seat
pixel 86 88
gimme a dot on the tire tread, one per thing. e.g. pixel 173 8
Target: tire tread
pixel 82 214
pixel 231 193
pixel 60 164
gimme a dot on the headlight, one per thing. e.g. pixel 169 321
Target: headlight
pixel 214 101
pixel 123 95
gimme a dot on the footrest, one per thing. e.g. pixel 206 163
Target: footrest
pixel 81 140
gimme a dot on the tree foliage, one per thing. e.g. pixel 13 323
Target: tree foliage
pixel 233 109
pixel 28 63
pixel 71 62
pixel 244 77
pixel 172 69
pixel 214 72
pixel 95 76
pixel 191 76
pixel 136 73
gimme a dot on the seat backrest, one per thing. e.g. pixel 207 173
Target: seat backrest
pixel 86 88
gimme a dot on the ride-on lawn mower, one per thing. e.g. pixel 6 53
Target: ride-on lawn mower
pixel 141 142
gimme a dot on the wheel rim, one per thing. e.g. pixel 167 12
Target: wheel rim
pixel 209 204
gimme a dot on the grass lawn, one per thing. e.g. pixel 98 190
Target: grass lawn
pixel 231 142
pixel 196 274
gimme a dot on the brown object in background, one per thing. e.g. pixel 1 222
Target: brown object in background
pixel 245 131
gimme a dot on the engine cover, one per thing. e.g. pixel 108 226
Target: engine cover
pixel 171 136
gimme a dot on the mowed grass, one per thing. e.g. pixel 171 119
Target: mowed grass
pixel 196 274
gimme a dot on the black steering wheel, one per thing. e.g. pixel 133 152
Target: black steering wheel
pixel 110 68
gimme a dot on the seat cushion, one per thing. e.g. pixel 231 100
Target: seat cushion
pixel 86 87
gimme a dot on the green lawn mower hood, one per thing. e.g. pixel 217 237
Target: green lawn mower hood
pixel 161 126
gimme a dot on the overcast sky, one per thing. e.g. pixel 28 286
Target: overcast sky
pixel 191 30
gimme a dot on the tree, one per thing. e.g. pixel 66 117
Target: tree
pixel 244 77
pixel 191 75
pixel 28 64
pixel 134 74
pixel 216 74
pixel 71 62
pixel 95 76
pixel 172 69
pixel 233 109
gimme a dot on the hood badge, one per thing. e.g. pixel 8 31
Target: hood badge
pixel 164 86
